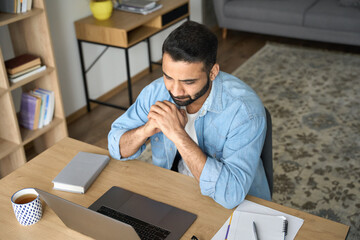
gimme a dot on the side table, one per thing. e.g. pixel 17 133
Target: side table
pixel 125 30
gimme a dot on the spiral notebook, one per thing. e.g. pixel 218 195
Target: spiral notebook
pixel 268 227
pixel 250 208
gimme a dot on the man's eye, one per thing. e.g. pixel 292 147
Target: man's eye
pixel 189 83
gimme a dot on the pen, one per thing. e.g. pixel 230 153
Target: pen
pixel 255 231
pixel 227 232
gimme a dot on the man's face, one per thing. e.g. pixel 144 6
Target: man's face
pixel 186 82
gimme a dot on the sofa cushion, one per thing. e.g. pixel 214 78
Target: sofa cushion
pixel 329 14
pixel 275 11
pixel 349 3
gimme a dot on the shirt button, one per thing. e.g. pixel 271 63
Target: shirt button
pixel 156 139
pixel 171 149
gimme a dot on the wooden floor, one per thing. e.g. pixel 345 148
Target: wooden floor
pixel 94 126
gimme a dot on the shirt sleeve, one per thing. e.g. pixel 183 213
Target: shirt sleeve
pixel 134 117
pixel 229 179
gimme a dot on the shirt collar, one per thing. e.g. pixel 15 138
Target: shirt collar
pixel 213 102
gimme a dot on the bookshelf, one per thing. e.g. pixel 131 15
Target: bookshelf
pixel 29 33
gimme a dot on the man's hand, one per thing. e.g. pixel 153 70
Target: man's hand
pixel 150 128
pixel 170 120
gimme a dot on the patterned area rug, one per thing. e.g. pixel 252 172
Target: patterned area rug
pixel 313 97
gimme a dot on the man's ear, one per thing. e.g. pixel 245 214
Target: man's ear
pixel 214 71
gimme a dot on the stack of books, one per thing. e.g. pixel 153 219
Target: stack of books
pixel 23 66
pixel 15 6
pixel 36 108
pixel 139 6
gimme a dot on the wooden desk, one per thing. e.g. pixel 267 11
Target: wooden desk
pixel 124 30
pixel 146 179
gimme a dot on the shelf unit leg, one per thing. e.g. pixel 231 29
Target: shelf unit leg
pixel 128 76
pixel 12 162
pixel 83 71
pixel 149 54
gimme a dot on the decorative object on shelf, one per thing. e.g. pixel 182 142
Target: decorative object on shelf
pixel 101 9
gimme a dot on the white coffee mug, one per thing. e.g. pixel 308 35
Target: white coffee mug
pixel 27 206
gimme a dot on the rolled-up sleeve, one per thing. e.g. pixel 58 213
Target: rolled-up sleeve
pixel 228 180
pixel 134 117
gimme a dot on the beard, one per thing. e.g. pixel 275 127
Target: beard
pixel 187 100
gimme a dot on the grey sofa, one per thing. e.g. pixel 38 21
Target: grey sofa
pixel 320 20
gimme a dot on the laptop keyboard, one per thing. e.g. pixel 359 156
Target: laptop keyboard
pixel 145 230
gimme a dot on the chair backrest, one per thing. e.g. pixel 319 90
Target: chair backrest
pixel 266 154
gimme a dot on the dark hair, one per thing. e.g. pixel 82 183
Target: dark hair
pixel 192 42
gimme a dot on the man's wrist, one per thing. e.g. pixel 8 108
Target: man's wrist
pixel 141 133
pixel 181 137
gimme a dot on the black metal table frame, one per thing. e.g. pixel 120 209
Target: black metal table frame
pixel 85 71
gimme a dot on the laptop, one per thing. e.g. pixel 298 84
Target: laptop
pixel 122 214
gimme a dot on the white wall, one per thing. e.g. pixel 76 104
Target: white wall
pixel 109 71
pixel 7 52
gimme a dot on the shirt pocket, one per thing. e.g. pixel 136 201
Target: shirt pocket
pixel 214 146
pixel 157 143
pixel 158 149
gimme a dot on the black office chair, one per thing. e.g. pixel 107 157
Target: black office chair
pixel 266 153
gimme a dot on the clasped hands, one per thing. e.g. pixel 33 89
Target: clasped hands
pixel 167 118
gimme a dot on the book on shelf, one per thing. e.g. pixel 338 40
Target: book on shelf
pixel 8 6
pixel 29 5
pixel 80 172
pixel 49 106
pixel 144 4
pixel 23 72
pixel 18 2
pixel 43 104
pixel 36 108
pixel 15 6
pixel 21 63
pixel 29 111
pixel 139 10
pixel 23 6
pixel 28 74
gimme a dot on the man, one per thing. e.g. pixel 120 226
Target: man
pixel 201 122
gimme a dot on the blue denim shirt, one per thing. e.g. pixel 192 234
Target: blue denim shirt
pixel 230 129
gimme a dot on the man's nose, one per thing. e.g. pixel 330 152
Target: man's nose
pixel 177 89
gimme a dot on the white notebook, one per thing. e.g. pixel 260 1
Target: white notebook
pixel 268 227
pixel 294 223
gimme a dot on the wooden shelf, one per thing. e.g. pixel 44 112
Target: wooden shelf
pixel 8 18
pixel 28 135
pixel 125 29
pixel 140 32
pixel 29 33
pixel 2 91
pixel 7 147
pixel 177 20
